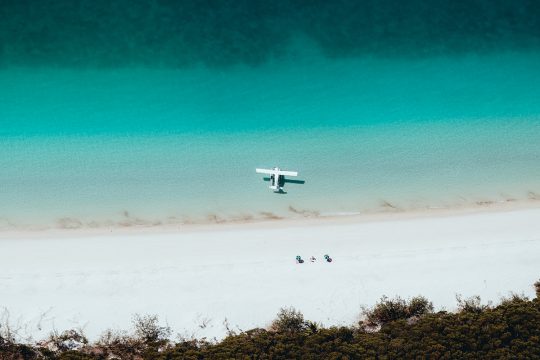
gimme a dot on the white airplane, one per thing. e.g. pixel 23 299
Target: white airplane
pixel 277 178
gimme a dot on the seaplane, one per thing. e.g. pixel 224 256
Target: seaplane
pixel 277 178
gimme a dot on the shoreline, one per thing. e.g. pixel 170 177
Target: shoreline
pixel 309 218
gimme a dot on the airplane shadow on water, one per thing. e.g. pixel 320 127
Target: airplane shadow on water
pixel 288 181
pixel 284 181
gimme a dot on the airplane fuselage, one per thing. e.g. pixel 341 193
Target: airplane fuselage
pixel 277 182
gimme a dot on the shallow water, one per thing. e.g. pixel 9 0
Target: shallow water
pixel 155 146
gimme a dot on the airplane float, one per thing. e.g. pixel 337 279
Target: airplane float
pixel 277 178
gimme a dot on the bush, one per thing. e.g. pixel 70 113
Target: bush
pixel 419 306
pixel 471 305
pixel 388 310
pixel 148 330
pixel 289 320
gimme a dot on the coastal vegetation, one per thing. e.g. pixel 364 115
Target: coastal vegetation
pixel 393 328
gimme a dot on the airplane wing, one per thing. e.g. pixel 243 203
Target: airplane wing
pixel 288 173
pixel 265 171
pixel 280 172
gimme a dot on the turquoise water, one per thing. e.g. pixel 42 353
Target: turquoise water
pixel 139 145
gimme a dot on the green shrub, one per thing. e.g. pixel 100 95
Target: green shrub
pixel 388 310
pixel 289 320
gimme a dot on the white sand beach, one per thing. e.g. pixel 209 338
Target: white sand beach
pixel 197 278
